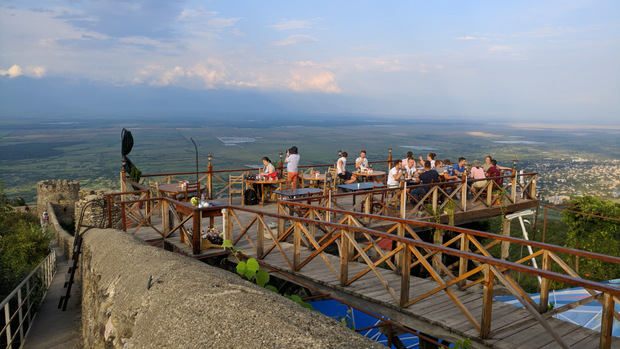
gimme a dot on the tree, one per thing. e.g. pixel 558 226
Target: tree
pixel 594 234
pixel 22 245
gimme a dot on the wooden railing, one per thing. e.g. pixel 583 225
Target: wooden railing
pixel 327 227
pixel 20 306
pixel 354 241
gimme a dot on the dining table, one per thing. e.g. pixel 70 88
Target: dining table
pixel 355 187
pixel 173 189
pixel 262 181
pixel 370 176
pixel 313 178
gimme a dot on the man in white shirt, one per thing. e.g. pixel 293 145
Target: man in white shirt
pixel 361 162
pixel 342 171
pixel 395 175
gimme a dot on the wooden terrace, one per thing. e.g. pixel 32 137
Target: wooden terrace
pixel 335 246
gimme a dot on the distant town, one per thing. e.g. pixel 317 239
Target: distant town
pixel 560 180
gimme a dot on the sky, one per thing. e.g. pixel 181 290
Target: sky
pixel 503 61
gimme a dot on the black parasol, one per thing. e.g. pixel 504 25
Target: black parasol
pixel 127 144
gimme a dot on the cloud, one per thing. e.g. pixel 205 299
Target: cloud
pixel 15 71
pixel 12 72
pixel 293 24
pixel 471 38
pixel 295 40
pixel 500 48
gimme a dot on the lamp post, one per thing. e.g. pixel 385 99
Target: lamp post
pixel 514 163
pixel 197 184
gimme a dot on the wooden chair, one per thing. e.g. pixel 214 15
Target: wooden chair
pixel 235 186
pixel 331 179
pixel 191 189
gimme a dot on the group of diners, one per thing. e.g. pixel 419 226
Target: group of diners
pixel 436 171
pixel 432 171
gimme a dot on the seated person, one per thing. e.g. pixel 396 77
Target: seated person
pixel 342 172
pixel 361 163
pixel 395 175
pixel 449 175
pixel 494 171
pixel 477 173
pixel 429 157
pixel 427 177
pixel 269 172
pixel 405 160
pixel 410 168
pixel 487 162
pixel 461 167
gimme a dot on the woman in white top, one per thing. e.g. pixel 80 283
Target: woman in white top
pixel 430 157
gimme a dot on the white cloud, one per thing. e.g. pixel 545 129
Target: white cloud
pixel 15 71
pixel 294 40
pixel 12 72
pixel 292 24
pixel 499 48
pixel 471 38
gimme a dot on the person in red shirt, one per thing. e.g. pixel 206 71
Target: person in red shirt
pixel 494 171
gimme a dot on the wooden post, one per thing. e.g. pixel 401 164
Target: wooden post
pixel 487 303
pixel 438 240
pixel 196 245
pixel 405 266
pixel 403 201
pixel 281 167
pixel 227 224
pixel 401 233
pixel 260 238
pixel 544 283
pixel 464 193
pixel 513 192
pixel 312 227
pixel 389 159
pixel 367 207
pixel 505 244
pixel 490 193
pixel 124 218
pixel 296 245
pixel 607 321
pixel 281 221
pixel 209 177
pixel 344 258
pixel 462 260
pixel 109 202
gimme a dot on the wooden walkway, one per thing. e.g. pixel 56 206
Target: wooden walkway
pixel 437 315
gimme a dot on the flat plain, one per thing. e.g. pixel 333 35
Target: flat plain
pixel 90 150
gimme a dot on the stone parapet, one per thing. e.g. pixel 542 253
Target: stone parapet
pixel 62 194
pixel 138 296
pixel 63 239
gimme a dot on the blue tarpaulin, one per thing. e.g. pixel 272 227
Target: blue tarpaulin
pixel 588 315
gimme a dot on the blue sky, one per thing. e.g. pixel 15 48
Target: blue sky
pixel 555 61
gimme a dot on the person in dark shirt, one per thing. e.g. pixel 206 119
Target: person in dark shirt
pixel 494 171
pixel 427 177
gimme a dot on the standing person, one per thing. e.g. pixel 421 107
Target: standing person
pixel 395 175
pixel 342 171
pixel 361 163
pixel 292 163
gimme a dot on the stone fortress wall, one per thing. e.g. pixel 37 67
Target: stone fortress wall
pixel 138 296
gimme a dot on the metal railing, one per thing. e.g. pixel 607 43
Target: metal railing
pixel 21 305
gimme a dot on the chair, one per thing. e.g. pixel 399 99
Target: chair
pixel 235 186
pixel 191 188
pixel 331 179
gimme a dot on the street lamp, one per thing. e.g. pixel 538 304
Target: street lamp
pixel 514 163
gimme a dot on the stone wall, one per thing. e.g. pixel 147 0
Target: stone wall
pixel 63 239
pixel 138 296
pixel 96 214
pixel 62 194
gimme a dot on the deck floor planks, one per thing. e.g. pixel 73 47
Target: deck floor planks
pixel 318 271
pixel 563 329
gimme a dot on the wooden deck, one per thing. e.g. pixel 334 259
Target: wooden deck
pixel 438 315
